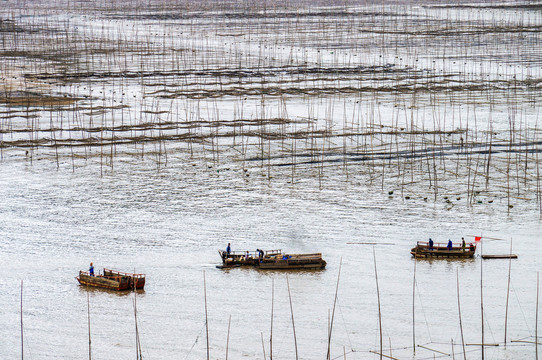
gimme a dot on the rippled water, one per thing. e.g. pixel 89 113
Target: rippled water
pixel 170 224
pixel 152 165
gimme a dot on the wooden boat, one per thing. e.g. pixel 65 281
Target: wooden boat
pixel 137 281
pixel 440 250
pixel 113 280
pixel 294 261
pixel 271 259
pixel 245 258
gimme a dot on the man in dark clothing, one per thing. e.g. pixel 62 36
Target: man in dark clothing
pixel 430 244
pixel 228 249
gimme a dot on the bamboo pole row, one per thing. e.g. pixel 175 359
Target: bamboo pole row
pixel 378 107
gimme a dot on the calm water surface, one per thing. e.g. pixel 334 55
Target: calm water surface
pixel 170 224
pixel 436 68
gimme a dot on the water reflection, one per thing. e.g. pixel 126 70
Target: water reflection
pixel 83 289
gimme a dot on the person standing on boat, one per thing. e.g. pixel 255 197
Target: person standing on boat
pixel 228 250
pixel 463 243
pixel 450 245
pixel 430 244
pixel 91 270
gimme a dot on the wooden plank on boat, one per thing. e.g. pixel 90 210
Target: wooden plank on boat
pixel 505 256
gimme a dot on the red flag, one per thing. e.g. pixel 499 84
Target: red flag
pixel 477 238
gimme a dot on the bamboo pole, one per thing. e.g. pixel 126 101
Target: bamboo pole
pixel 206 318
pixel 292 312
pixel 413 308
pixel 482 297
pixel 138 344
pixel 228 338
pixel 263 346
pixel 437 351
pixel 379 309
pixel 333 313
pixel 507 294
pixel 460 320
pixel 383 355
pixel 88 322
pixel 536 325
pixel 22 335
pixel 272 309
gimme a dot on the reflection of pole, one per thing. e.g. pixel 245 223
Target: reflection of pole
pixel 206 322
pixel 378 296
pixel 507 293
pixel 292 311
pixel 460 321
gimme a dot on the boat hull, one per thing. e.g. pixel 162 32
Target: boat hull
pixel 113 280
pixel 287 265
pixel 100 281
pixel 137 281
pixel 424 251
pixel 273 260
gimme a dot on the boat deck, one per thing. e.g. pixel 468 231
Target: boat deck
pixel 440 250
pixel 272 259
pixel 112 280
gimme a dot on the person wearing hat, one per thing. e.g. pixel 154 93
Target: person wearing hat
pixel 91 270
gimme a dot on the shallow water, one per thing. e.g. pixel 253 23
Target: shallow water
pixel 317 138
pixel 169 225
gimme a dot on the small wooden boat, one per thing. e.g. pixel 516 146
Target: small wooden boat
pixel 245 258
pixel 271 259
pixel 113 280
pixel 294 261
pixel 440 250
